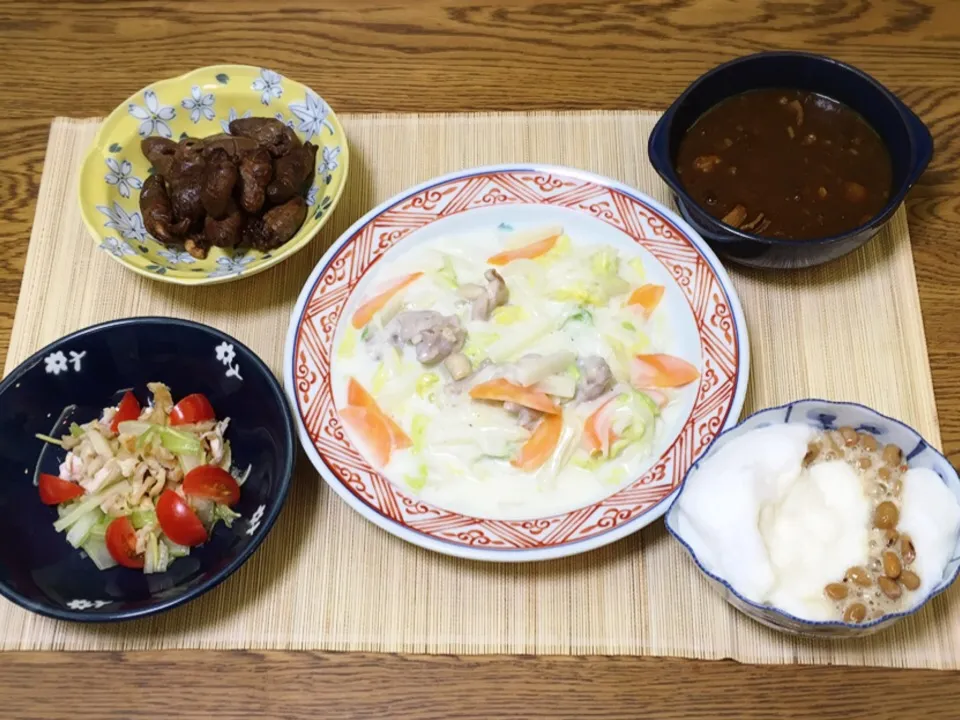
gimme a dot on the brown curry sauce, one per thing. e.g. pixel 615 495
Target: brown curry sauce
pixel 785 163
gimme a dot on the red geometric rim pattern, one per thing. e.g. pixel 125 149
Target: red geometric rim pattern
pixel 700 286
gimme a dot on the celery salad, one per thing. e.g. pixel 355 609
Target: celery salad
pixel 520 377
pixel 140 486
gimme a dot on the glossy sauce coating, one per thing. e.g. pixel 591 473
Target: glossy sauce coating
pixel 785 163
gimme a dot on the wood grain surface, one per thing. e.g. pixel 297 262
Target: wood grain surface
pixel 83 58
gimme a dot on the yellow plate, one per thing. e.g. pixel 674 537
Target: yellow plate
pixel 202 103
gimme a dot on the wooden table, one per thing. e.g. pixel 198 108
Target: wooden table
pixel 81 58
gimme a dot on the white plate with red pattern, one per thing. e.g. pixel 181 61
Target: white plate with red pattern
pixel 705 303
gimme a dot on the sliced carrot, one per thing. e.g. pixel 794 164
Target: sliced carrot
pixel 357 396
pixel 661 371
pixel 371 307
pixel 595 428
pixel 370 426
pixel 506 391
pixel 541 444
pixel 528 252
pixel 646 298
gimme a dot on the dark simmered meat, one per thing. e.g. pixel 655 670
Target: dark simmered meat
pixel 184 192
pixel 254 234
pixel 282 222
pixel 159 151
pixel 219 176
pixel 256 170
pixel 269 133
pixel 785 163
pixel 232 144
pixel 157 211
pixel 292 174
pixel 185 180
pixel 247 188
pixel 227 231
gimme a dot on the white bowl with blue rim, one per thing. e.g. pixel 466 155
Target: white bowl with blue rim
pixel 827 415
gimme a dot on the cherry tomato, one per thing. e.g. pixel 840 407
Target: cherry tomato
pixel 121 541
pixel 192 409
pixel 128 409
pixel 54 490
pixel 179 521
pixel 210 481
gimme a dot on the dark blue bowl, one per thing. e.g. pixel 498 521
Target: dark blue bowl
pixel 904 134
pixel 39 570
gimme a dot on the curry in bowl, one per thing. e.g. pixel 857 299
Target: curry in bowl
pixel 786 164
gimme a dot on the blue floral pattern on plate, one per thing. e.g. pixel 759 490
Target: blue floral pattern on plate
pixel 230 266
pixel 129 225
pixel 154 116
pixel 827 414
pixel 121 175
pixel 269 85
pixel 312 113
pixel 199 104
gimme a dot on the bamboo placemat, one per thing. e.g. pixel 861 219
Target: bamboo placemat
pixel 326 579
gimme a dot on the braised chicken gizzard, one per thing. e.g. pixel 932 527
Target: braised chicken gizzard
pixel 247 188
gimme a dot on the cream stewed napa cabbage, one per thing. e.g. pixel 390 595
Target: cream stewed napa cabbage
pixel 519 374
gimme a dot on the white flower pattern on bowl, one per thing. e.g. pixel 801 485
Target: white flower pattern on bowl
pixel 328 162
pixel 56 363
pixel 230 266
pixel 87 604
pixel 231 116
pixel 154 116
pixel 176 257
pixel 256 519
pixel 117 247
pixel 129 225
pixel 312 113
pixel 121 175
pixel 311 198
pixel 199 104
pixel 268 85
pixel 225 354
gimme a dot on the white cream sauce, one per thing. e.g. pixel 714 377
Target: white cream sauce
pixel 571 299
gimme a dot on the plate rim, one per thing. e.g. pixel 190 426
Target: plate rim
pixel 568 548
pixel 96 147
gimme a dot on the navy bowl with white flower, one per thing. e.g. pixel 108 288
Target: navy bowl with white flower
pixel 71 380
pixel 827 415
pixel 201 103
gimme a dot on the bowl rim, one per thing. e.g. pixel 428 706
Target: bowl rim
pixel 812 624
pixel 96 149
pixel 911 122
pixel 512 555
pixel 259 535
